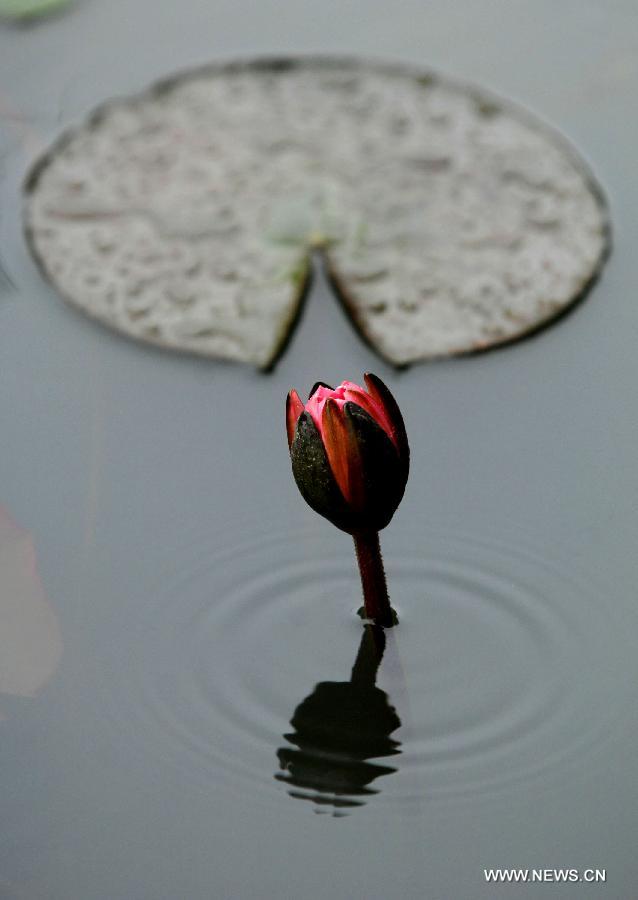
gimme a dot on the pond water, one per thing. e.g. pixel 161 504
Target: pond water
pixel 190 706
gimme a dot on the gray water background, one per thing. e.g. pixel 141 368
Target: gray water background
pixel 200 601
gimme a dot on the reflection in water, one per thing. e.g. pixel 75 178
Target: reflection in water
pixel 30 641
pixel 337 729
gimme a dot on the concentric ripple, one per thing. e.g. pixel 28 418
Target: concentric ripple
pixel 505 666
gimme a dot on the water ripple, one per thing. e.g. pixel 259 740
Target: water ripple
pixel 506 665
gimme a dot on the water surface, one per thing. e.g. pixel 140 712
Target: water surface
pixel 184 726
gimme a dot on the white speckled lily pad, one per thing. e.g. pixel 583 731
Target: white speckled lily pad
pixel 450 221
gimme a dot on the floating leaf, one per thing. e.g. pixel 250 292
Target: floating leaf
pixel 449 222
pixel 30 9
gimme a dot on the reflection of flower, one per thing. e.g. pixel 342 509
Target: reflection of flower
pixel 338 730
pixel 30 642
pixel 349 452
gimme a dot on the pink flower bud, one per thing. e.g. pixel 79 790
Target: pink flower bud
pixel 349 451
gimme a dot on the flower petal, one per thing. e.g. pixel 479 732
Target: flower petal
pixel 317 385
pixel 294 408
pixel 384 471
pixel 344 457
pixel 374 409
pixel 382 396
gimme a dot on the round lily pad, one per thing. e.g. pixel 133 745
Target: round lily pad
pixel 449 220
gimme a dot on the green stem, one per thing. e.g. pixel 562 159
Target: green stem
pixel 375 589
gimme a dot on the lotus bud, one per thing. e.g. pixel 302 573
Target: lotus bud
pixel 350 459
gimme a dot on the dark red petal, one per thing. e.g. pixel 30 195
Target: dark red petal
pixel 344 457
pixel 294 408
pixel 374 409
pixel 381 395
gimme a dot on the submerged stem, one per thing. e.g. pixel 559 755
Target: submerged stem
pixel 375 589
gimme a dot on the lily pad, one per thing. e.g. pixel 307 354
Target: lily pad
pixel 449 220
pixel 30 9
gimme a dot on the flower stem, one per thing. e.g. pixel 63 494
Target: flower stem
pixel 375 589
